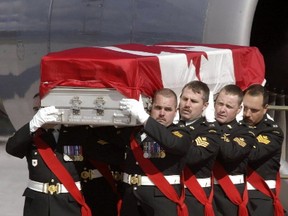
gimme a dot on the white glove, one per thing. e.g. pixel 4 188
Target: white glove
pixel 43 116
pixel 210 111
pixel 136 109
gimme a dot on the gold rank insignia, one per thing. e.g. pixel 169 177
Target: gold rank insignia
pixel 202 141
pixel 177 133
pixel 240 141
pixel 225 137
pixel 102 142
pixel 263 139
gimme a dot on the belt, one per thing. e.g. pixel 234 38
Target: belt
pixel 90 174
pixel 144 180
pixel 204 182
pixel 236 179
pixel 50 188
pixel 271 184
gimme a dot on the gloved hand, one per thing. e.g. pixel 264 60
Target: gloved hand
pixel 210 111
pixel 43 116
pixel 136 109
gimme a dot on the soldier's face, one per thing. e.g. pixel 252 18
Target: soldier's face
pixel 226 107
pixel 191 105
pixel 253 109
pixel 164 109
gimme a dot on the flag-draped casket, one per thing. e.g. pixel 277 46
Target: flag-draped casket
pixel 87 83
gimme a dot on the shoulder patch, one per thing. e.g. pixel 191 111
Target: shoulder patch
pixel 202 141
pixel 263 139
pixel 177 133
pixel 240 141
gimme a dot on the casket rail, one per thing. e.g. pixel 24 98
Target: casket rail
pixel 90 106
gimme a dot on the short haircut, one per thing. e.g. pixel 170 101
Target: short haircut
pixel 233 89
pixel 197 87
pixel 256 90
pixel 166 92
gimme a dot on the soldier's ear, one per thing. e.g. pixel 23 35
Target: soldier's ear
pixel 265 108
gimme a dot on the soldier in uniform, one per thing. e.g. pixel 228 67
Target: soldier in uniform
pixel 203 150
pixel 264 160
pixel 46 195
pixel 231 166
pixel 98 185
pixel 105 153
pixel 155 159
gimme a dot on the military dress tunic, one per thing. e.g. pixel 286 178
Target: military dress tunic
pixel 200 158
pixel 166 149
pixel 68 150
pixel 265 160
pixel 237 142
pixel 104 147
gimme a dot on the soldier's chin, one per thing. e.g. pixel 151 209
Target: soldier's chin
pixel 248 122
pixel 163 122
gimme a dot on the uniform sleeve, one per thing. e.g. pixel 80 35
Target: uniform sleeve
pixel 238 145
pixel 268 143
pixel 173 138
pixel 204 147
pixel 19 144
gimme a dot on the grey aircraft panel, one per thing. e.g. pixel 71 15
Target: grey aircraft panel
pixel 34 28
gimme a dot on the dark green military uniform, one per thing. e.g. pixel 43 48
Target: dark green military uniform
pixel 265 160
pixel 200 159
pixel 233 156
pixel 37 203
pixel 166 149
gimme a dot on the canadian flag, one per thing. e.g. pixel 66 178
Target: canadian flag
pixel 135 69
